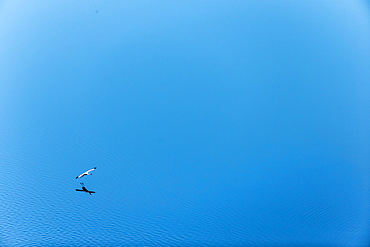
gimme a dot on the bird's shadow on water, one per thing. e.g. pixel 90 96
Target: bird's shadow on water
pixel 84 189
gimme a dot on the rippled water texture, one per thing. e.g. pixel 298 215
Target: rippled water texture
pixel 211 123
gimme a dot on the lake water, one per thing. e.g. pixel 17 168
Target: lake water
pixel 211 123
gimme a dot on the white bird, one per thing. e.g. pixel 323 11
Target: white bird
pixel 86 173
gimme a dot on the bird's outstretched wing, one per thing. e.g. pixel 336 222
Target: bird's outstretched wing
pixel 91 170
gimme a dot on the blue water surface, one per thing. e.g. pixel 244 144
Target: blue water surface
pixel 211 123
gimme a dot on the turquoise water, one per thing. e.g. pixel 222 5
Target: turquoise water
pixel 211 123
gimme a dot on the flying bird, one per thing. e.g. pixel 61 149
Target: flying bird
pixel 84 189
pixel 86 173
